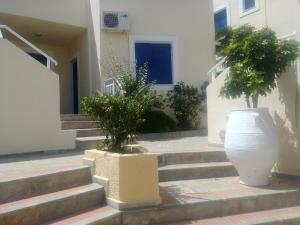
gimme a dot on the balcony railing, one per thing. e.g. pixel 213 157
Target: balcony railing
pixel 49 58
pixel 112 86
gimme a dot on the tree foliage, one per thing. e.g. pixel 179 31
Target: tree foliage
pixel 256 58
pixel 186 101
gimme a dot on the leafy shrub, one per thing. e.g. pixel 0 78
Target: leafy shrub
pixel 185 100
pixel 119 116
pixel 256 59
pixel 157 121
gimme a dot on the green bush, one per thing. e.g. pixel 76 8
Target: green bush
pixel 256 58
pixel 119 116
pixel 157 121
pixel 185 101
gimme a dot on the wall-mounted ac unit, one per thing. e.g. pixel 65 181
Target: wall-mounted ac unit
pixel 115 21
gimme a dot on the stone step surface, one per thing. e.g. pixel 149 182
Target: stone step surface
pixel 15 188
pixel 92 132
pixel 85 143
pixel 214 197
pixel 196 171
pixel 43 208
pixel 75 117
pixel 71 125
pixel 202 156
pixel 102 215
pixel 283 216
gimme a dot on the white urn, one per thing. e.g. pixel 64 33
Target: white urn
pixel 251 144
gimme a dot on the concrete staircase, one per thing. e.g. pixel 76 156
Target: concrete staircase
pixel 203 188
pixel 197 187
pixel 68 195
pixel 87 131
pixel 206 163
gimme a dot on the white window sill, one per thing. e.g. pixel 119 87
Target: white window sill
pixel 248 12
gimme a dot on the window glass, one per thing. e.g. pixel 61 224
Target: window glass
pixel 158 57
pixel 221 20
pixel 249 4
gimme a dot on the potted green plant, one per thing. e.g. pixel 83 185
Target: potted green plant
pixel 256 59
pixel 128 172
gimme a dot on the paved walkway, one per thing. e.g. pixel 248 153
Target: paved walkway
pixel 180 144
pixel 22 165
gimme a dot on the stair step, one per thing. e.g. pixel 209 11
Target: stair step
pixel 71 125
pixel 214 197
pixel 93 132
pixel 203 156
pixel 196 171
pixel 13 189
pixel 75 117
pixel 85 143
pixel 43 208
pixel 102 215
pixel 283 216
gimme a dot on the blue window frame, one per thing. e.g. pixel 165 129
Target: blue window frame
pixel 249 4
pixel 158 57
pixel 221 20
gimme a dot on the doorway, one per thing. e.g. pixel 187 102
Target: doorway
pixel 74 86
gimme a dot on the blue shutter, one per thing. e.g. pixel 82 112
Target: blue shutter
pixel 159 61
pixel 220 20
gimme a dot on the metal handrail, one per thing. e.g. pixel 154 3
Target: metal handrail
pixel 49 58
pixel 287 36
pixel 216 65
pixel 113 86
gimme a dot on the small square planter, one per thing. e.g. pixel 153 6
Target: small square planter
pixel 130 180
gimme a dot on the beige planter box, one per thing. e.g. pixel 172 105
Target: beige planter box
pixel 130 180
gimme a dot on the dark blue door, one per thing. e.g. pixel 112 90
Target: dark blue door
pixel 75 86
pixel 42 59
pixel 158 58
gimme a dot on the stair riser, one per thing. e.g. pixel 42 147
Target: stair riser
pixel 37 185
pixel 191 157
pixel 75 118
pixel 86 145
pixel 114 220
pixel 89 133
pixel 286 221
pixel 70 125
pixel 196 173
pixel 52 209
pixel 210 209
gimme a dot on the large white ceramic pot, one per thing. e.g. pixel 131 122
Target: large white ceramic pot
pixel 251 144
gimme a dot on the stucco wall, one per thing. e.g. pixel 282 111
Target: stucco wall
pixel 191 22
pixel 30 111
pixel 132 179
pixel 72 12
pixel 283 102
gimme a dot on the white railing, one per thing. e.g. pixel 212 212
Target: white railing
pixel 49 58
pixel 216 70
pixel 288 36
pixel 112 86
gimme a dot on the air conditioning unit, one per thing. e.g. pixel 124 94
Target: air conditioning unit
pixel 115 21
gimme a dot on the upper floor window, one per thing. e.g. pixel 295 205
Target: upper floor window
pixel 248 6
pixel 222 18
